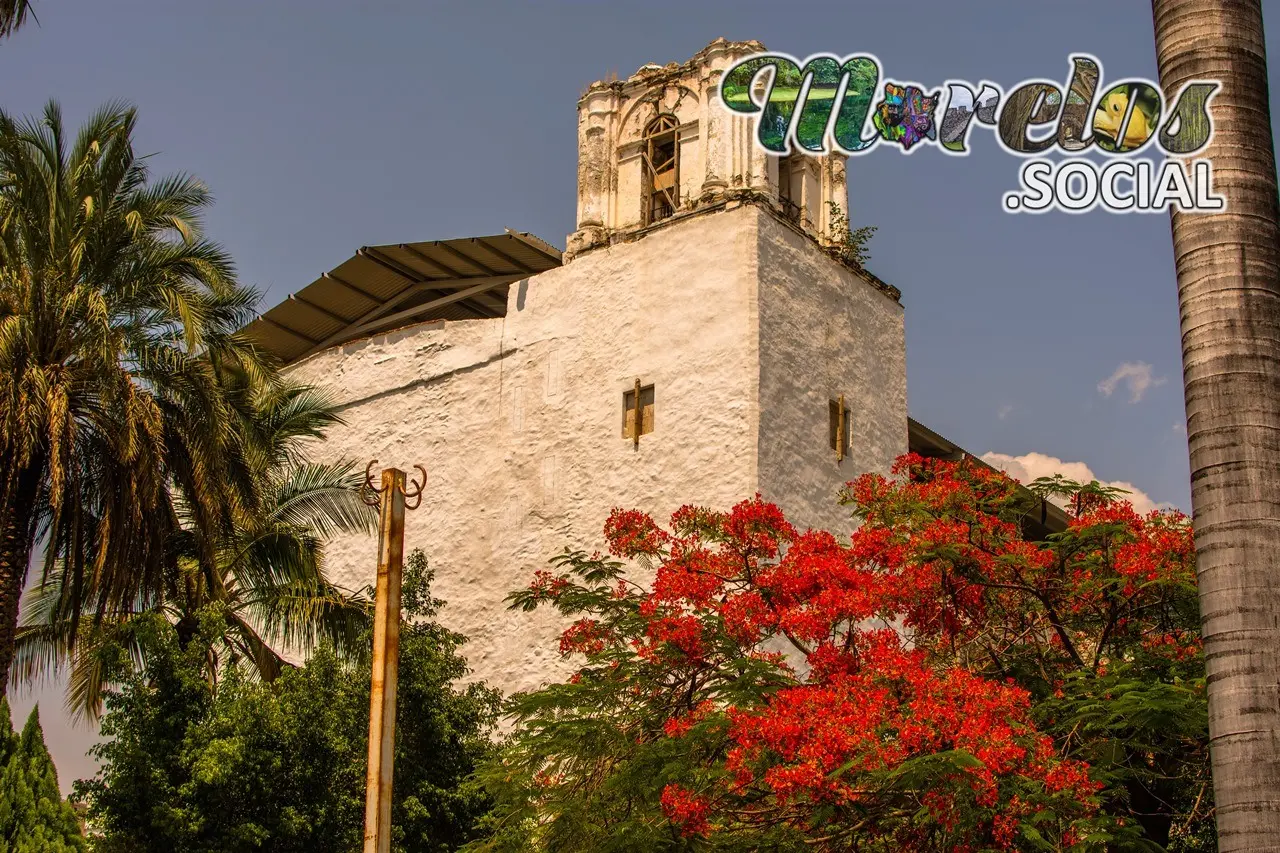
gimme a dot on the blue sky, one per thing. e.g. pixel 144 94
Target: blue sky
pixel 324 126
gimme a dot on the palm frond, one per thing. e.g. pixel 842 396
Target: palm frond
pixel 13 14
pixel 241 636
pixel 40 654
pixel 325 499
pixel 300 615
pixel 107 653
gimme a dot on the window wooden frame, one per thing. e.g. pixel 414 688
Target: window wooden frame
pixel 645 409
pixel 838 427
pixel 660 158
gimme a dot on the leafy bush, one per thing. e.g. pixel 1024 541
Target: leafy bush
pixel 244 765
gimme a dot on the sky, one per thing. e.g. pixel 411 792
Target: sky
pixel 1044 343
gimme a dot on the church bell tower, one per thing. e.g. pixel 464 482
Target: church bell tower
pixel 660 144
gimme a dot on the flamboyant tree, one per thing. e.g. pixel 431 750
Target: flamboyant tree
pixel 935 682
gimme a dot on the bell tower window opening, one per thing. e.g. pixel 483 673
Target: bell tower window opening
pixel 661 153
pixel 789 187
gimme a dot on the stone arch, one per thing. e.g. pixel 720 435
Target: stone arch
pixel 674 98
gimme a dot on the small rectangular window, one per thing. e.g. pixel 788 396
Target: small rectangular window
pixel 838 427
pixel 629 412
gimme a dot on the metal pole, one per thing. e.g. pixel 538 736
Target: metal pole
pixel 386 661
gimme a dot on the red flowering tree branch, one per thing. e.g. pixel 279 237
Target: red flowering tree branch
pixel 935 682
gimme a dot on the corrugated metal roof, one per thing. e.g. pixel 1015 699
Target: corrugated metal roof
pixel 381 288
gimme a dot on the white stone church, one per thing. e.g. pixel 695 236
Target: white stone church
pixel 694 343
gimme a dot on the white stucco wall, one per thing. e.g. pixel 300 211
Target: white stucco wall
pixel 742 325
pixel 519 421
pixel 824 332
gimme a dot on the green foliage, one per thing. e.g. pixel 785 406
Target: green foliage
pixel 280 766
pixel 33 816
pixel 267 573
pixel 442 732
pixel 850 246
pixel 1079 496
pixel 124 367
pixel 1145 737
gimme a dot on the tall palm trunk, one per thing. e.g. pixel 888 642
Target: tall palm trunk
pixel 1229 295
pixel 17 538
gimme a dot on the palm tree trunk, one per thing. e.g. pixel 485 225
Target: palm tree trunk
pixel 17 538
pixel 1229 296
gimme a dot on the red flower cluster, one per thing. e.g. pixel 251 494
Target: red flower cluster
pixel 546 586
pixel 880 705
pixel 902 633
pixel 632 533
pixel 692 575
pixel 680 725
pixel 757 529
pixel 686 810
pixel 586 636
pixel 673 638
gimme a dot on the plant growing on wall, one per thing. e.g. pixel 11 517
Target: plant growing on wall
pixel 938 682
pixel 849 245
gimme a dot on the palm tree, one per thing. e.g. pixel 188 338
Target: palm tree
pixel 266 579
pixel 1229 296
pixel 118 325
pixel 13 14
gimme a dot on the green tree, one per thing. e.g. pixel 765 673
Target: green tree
pixel 281 766
pixel 120 333
pixel 267 573
pixel 443 732
pixel 33 816
pixel 1228 292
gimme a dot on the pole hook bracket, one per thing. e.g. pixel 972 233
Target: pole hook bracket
pixel 414 490
pixel 369 492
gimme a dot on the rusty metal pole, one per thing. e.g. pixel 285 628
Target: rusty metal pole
pixel 386 662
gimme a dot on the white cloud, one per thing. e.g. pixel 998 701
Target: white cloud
pixel 1136 375
pixel 1032 466
pixel 1179 427
pixel 1004 411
